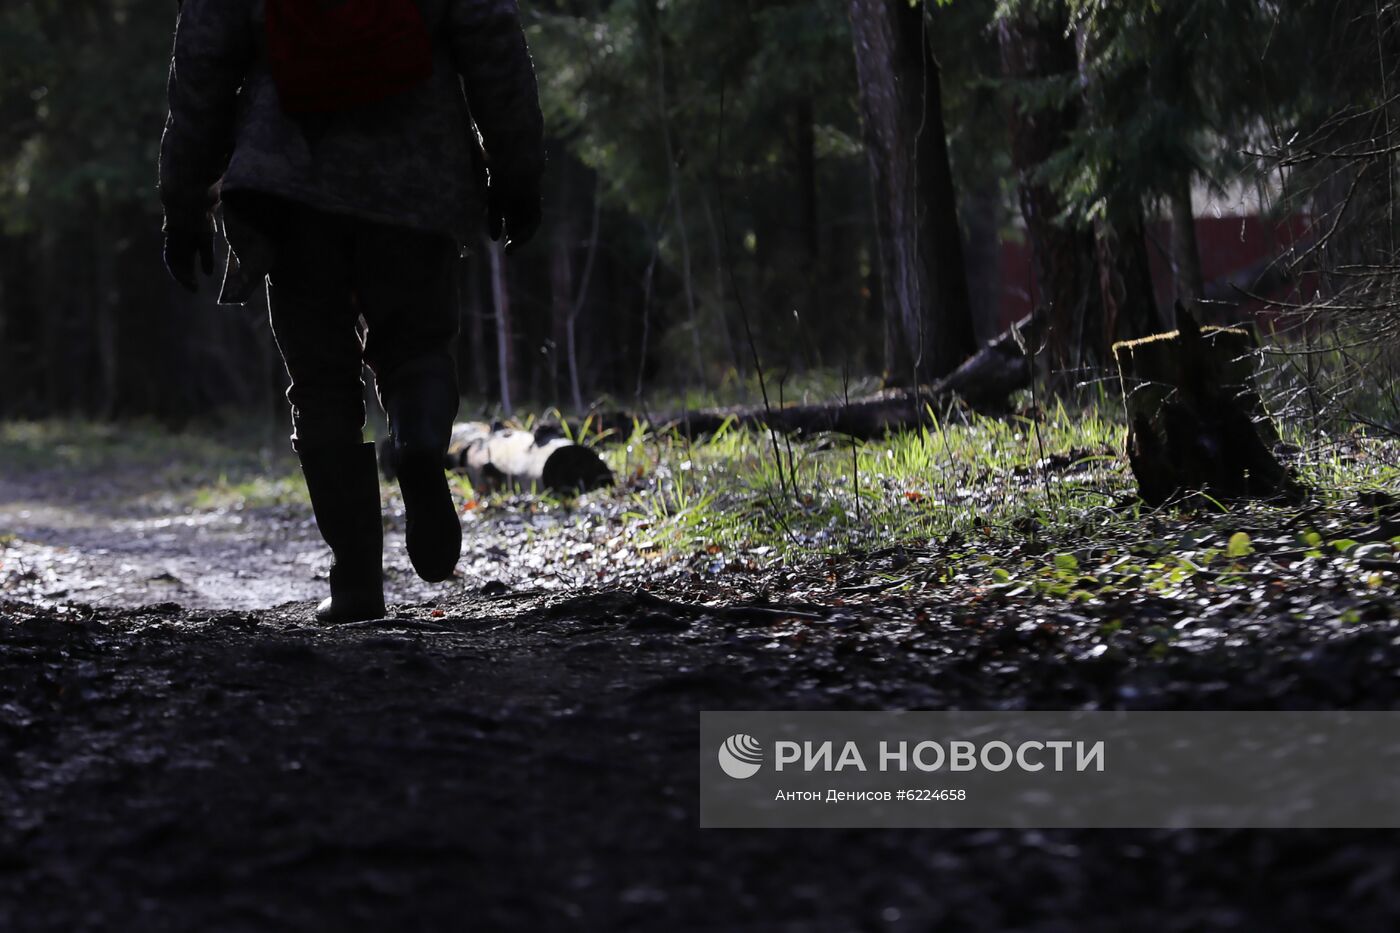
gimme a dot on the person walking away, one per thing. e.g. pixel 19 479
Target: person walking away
pixel 343 141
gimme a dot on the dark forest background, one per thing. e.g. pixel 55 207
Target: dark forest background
pixel 736 183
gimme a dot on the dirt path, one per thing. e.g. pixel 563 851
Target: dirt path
pixel 108 541
pixel 529 762
pixel 181 747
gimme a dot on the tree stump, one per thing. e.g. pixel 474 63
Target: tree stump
pixel 1196 423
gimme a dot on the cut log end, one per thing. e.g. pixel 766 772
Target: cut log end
pixel 574 468
pixel 494 457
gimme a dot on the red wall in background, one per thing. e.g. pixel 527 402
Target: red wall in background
pixel 1229 245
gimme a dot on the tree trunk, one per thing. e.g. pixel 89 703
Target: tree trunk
pixel 51 342
pixel 580 300
pixel 1125 276
pixel 470 272
pixel 731 345
pixel 677 199
pixel 7 367
pixel 949 325
pixel 561 299
pixel 984 263
pixel 806 158
pixel 104 314
pixel 922 271
pixel 1186 252
pixel 1125 280
pixel 1037 47
pixel 808 234
pixel 505 351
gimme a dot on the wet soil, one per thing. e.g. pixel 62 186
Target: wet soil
pixel 518 750
pixel 113 537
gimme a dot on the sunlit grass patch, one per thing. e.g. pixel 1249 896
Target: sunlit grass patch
pixel 90 445
pixel 1346 466
pixel 206 466
pixel 1021 494
pixel 1059 478
pixel 255 492
pixel 748 489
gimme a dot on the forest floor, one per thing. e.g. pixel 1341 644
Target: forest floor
pixel 183 747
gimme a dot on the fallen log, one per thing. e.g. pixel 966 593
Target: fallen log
pixel 1196 423
pixel 1259 282
pixel 866 418
pixel 493 457
pixel 984 382
pixel 1004 366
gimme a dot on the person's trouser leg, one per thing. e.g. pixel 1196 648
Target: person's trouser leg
pixel 315 322
pixel 406 287
pixel 344 487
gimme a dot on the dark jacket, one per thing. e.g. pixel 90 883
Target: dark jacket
pixel 412 160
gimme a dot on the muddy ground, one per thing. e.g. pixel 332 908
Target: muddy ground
pixel 182 747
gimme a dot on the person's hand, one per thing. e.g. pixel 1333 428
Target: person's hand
pixel 182 247
pixel 513 212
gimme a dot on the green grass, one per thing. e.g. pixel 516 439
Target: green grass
pixel 208 466
pixel 257 492
pixel 1060 477
pixel 745 489
pixel 1055 477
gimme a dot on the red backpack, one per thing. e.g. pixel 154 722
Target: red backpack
pixel 330 55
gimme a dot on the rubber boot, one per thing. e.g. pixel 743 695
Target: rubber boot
pixel 344 486
pixel 421 406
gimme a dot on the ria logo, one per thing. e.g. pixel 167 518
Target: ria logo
pixel 741 756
